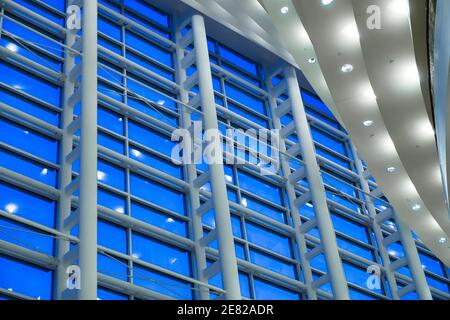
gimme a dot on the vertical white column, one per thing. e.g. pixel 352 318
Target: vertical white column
pixel 414 264
pixel 191 173
pixel 65 171
pixel 317 189
pixel 228 261
pixel 376 228
pixel 88 155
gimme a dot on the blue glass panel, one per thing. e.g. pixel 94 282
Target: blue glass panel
pixel 259 187
pixel 358 295
pixel 245 98
pixel 111 201
pixel 27 106
pixel 156 162
pixel 104 294
pixel 27 205
pixel 111 143
pixel 26 237
pixel 350 228
pixel 27 167
pixel 357 276
pixel 150 138
pixel 16 275
pixel 238 60
pixel 112 267
pixel 431 263
pixel 273 264
pixel 147 64
pixel 25 33
pixel 157 194
pixel 42 11
pixel 263 209
pixel 158 219
pixel 110 120
pixel 28 140
pixel 438 284
pixel 161 254
pixel 267 291
pixel 244 283
pixel 148 11
pixel 354 248
pixel 315 102
pixel 110 29
pixel 248 115
pixel 153 111
pixel 328 141
pixel 111 175
pixel 26 82
pixel 155 52
pixel 112 236
pixel 268 239
pixel 161 283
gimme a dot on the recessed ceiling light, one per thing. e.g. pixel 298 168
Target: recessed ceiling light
pixel 284 10
pixel 368 123
pixel 312 60
pixel 326 2
pixel 416 207
pixel 390 169
pixel 442 240
pixel 346 68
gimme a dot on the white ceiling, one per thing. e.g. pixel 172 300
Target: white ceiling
pixel 384 65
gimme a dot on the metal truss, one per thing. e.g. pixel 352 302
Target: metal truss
pixel 288 87
pixel 226 263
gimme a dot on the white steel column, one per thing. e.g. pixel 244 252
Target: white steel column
pixel 295 215
pixel 375 226
pixel 65 170
pixel 191 173
pixel 226 263
pixel 84 253
pixel 88 155
pixel 225 239
pixel 415 266
pixel 317 189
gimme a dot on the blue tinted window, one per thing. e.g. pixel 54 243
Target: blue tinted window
pixel 245 98
pixel 238 60
pixel 350 228
pixel 104 294
pixel 111 200
pixel 112 267
pixel 268 240
pixel 158 282
pixel 431 264
pixel 259 187
pixel 161 254
pixel 158 219
pixel 24 81
pixel 157 194
pixel 27 167
pixel 111 175
pixel 109 28
pixel 150 138
pixel 26 237
pixel 110 143
pixel 16 275
pixel 263 209
pixel 266 291
pixel 28 140
pixel 27 205
pixel 110 120
pixel 27 106
pixel 273 264
pixel 357 276
pixel 112 236
pixel 156 162
pixel 155 52
pixel 314 102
